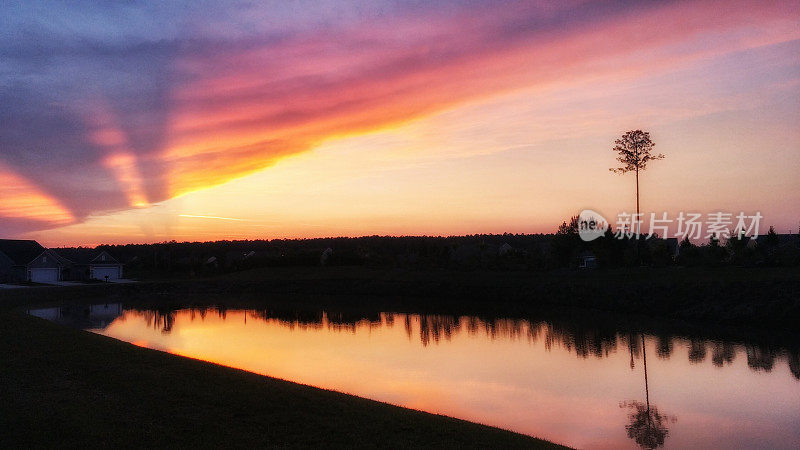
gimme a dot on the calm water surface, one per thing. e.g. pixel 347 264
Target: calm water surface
pixel 570 384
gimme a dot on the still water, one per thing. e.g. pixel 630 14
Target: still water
pixel 582 386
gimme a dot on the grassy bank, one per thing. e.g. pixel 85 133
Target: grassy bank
pixel 66 387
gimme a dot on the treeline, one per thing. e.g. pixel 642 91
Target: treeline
pixel 534 252
pixel 494 251
pixel 610 250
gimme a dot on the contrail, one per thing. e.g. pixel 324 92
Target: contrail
pixel 210 217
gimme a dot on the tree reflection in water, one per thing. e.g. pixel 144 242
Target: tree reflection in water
pixel 164 320
pixel 646 426
pixel 584 340
pixel 723 353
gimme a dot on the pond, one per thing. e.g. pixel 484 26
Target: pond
pixel 581 385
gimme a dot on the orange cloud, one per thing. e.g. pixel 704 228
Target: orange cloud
pixel 21 199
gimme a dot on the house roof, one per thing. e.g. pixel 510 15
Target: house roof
pixel 78 255
pixel 20 251
pixel 81 255
pixel 57 258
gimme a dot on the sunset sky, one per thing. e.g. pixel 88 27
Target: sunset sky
pixel 199 120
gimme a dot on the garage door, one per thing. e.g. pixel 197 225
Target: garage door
pixel 44 275
pixel 100 273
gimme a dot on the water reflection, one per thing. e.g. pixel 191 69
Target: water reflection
pixel 646 426
pixel 582 341
pixel 81 316
pixel 558 379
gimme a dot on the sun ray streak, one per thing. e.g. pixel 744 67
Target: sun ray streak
pixel 199 216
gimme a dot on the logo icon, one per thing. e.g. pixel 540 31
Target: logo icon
pixel 591 225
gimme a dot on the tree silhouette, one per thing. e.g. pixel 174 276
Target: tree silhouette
pixel 715 253
pixel 689 254
pixel 633 150
pixel 566 243
pixel 770 247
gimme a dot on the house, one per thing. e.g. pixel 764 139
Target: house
pixel 74 264
pixel 211 262
pixel 14 258
pixel 48 267
pixel 505 249
pixel 587 260
pixel 24 260
pixel 326 254
pixel 89 264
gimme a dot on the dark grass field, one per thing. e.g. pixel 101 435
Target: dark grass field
pixel 62 387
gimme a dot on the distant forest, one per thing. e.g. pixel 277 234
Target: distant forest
pixel 534 252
